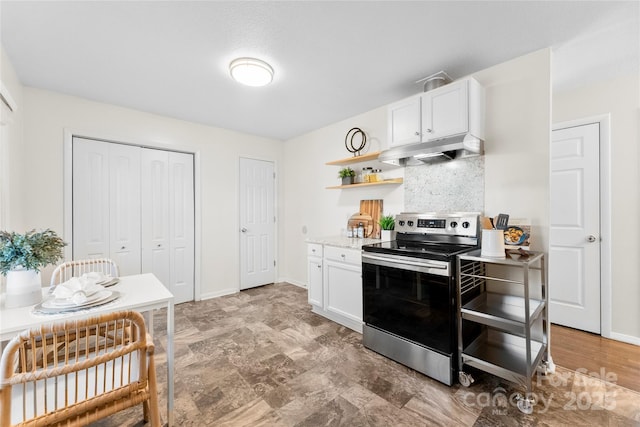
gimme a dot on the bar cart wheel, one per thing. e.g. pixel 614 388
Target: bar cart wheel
pixel 465 379
pixel 525 404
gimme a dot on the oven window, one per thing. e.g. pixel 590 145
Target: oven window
pixel 415 306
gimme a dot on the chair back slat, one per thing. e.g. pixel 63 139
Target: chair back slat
pixel 77 268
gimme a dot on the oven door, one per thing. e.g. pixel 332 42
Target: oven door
pixel 412 298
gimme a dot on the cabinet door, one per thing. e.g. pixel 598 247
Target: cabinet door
pixel 181 226
pixel 314 280
pixel 124 207
pixel 445 111
pixel 404 122
pixel 155 213
pixel 343 287
pixel 90 199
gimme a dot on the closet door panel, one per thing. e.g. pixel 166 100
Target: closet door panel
pixel 181 225
pixel 124 207
pixel 90 199
pixel 155 214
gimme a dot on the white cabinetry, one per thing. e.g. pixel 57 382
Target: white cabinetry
pixel 343 283
pixel 314 274
pixel 405 121
pixel 453 109
pixel 336 292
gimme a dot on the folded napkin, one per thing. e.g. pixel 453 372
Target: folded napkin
pixel 77 289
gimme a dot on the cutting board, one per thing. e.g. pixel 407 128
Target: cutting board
pixel 369 215
pixel 365 219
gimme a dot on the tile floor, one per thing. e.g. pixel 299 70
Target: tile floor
pixel 262 358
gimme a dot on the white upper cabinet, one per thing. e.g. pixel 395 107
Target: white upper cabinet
pixel 445 111
pixel 404 121
pixel 453 109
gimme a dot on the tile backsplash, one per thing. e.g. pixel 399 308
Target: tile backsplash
pixel 456 185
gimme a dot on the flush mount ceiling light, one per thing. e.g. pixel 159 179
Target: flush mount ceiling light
pixel 251 71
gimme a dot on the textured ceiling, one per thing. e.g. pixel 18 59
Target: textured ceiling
pixel 332 60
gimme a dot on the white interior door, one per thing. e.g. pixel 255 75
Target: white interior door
pixel 168 220
pixel 154 185
pixel 257 223
pixel 124 207
pixel 181 226
pixel 574 250
pixel 90 199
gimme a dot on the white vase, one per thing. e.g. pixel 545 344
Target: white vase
pixel 24 287
pixel 387 235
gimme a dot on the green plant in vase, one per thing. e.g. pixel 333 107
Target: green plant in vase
pixel 387 223
pixel 21 258
pixel 347 175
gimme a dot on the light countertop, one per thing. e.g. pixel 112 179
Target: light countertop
pixel 342 242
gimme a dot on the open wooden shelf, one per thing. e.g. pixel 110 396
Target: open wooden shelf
pixel 367 184
pixel 355 159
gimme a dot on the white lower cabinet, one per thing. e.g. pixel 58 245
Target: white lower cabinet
pixel 314 273
pixel 338 296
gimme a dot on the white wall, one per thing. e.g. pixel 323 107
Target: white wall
pixel 620 98
pixel 322 212
pixel 11 149
pixel 49 114
pixel 518 113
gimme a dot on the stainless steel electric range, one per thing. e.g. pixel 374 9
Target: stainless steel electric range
pixel 409 294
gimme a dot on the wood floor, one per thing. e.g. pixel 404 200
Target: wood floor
pixel 613 361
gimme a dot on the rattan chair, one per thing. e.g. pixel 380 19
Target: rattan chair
pixel 77 268
pixel 77 372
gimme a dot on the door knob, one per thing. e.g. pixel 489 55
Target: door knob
pixel 591 238
pixel 244 230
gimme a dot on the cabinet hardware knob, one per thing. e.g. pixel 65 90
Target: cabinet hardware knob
pixel 417 133
pixel 122 248
pixel 159 245
pixel 319 266
pixel 429 130
pixel 244 230
pixel 591 238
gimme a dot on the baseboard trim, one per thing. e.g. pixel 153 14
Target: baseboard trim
pixel 221 293
pixel 624 338
pixel 293 282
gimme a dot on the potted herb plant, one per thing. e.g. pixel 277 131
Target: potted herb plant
pixel 387 224
pixel 21 258
pixel 347 175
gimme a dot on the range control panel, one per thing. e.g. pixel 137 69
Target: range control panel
pixel 453 224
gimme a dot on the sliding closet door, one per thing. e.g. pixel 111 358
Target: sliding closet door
pixel 181 225
pixel 124 207
pixel 106 203
pixel 155 214
pixel 90 199
pixel 168 220
pixel 136 206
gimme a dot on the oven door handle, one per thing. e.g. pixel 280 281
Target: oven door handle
pixel 420 264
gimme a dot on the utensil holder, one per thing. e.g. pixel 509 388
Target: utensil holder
pixel 493 244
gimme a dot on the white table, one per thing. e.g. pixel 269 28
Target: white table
pixel 140 292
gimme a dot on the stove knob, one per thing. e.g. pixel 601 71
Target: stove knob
pixel 410 223
pixel 465 224
pixel 401 223
pixel 453 224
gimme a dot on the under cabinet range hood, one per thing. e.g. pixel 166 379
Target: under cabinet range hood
pixel 458 146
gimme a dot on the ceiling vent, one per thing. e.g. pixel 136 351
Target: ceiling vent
pixel 436 80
